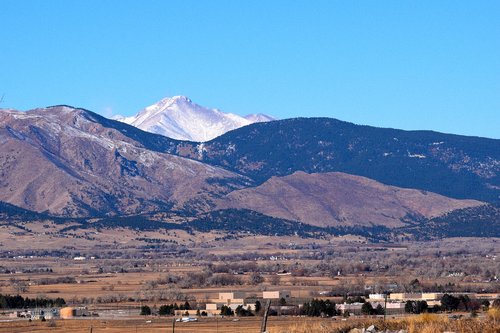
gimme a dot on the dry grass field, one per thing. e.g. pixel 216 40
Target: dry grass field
pixel 415 324
pixel 275 325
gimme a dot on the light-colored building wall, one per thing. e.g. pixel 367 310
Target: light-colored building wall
pixel 354 308
pixel 487 296
pixel 231 295
pixel 433 303
pixel 276 294
pixel 432 296
pixel 190 313
pixel 226 301
pixel 405 296
pixel 211 306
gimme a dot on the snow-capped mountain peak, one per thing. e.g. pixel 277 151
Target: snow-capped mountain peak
pixel 179 118
pixel 259 118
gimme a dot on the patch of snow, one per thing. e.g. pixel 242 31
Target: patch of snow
pixel 18 114
pixel 231 148
pixel 201 149
pixel 416 155
pixel 123 119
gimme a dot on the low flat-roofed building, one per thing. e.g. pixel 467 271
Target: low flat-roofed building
pixel 488 296
pixel 278 294
pixel 233 295
pixel 432 296
pixel 405 296
pixel 354 308
pixel 190 313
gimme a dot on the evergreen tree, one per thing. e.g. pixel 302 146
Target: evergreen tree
pixel 226 311
pixel 258 306
pixel 145 310
pixel 450 302
pixel 367 308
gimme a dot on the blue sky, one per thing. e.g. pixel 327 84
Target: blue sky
pixel 403 64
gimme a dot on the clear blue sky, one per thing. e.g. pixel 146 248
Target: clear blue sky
pixel 404 64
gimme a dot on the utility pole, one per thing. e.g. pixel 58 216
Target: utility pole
pixel 385 305
pixel 263 327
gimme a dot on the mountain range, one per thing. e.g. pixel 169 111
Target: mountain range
pixel 320 172
pixel 70 162
pixel 452 165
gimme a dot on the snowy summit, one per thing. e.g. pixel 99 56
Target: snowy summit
pixel 179 118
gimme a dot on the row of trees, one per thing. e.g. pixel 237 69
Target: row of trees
pixel 169 310
pixel 319 308
pixel 368 309
pixel 449 303
pixel 416 307
pixel 165 309
pixel 19 302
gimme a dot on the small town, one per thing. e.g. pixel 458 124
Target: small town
pixel 283 303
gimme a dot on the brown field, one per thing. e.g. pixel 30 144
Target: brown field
pixel 415 324
pixel 275 325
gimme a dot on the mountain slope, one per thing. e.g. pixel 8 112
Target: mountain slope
pixel 179 118
pixel 480 221
pixel 338 199
pixel 452 165
pixel 72 162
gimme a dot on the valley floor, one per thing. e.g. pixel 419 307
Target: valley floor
pixel 118 272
